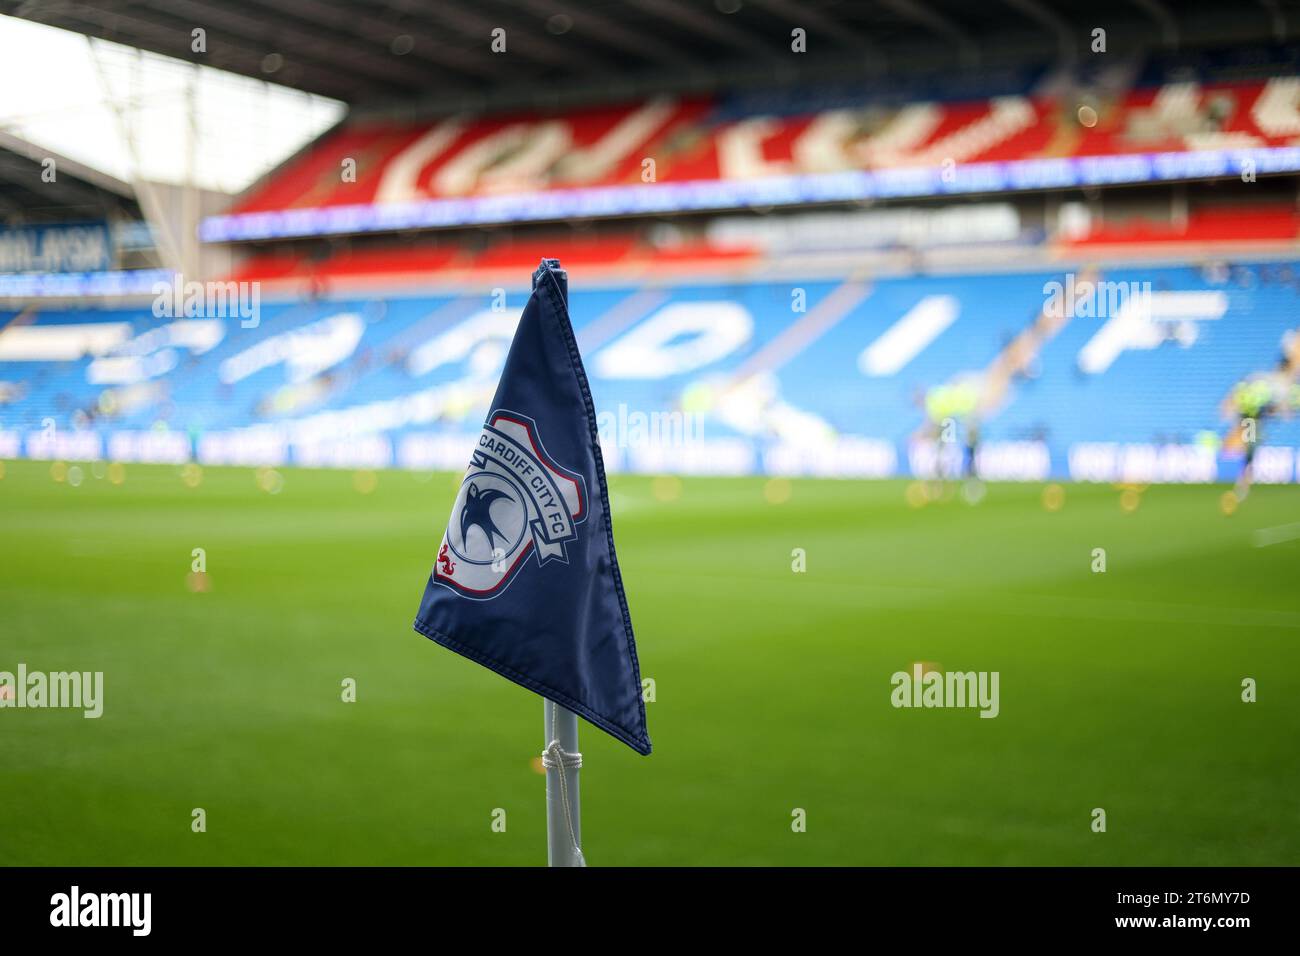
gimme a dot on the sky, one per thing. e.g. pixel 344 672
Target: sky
pixel 64 92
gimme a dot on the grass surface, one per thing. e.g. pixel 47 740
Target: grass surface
pixel 1118 690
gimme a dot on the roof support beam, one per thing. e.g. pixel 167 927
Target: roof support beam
pixel 837 32
pixel 609 32
pixel 1161 14
pixel 527 43
pixel 937 23
pixel 707 24
pixel 170 37
pixel 1064 33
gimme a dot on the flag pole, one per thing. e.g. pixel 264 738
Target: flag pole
pixel 562 762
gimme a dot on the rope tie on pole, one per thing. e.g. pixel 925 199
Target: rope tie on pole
pixel 555 757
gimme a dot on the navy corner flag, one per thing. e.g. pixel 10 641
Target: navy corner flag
pixel 526 581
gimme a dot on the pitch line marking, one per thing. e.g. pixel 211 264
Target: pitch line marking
pixel 1283 532
pixel 848 593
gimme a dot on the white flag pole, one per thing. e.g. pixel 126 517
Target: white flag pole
pixel 562 762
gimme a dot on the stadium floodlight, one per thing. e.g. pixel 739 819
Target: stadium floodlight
pixel 526 581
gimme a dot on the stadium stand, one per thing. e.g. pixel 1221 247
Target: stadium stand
pixel 391 252
pixel 1273 224
pixel 1175 131
pixel 830 390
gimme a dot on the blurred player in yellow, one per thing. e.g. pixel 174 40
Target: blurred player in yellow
pixel 1250 403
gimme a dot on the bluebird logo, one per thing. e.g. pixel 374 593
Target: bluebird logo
pixel 514 501
pixel 476 513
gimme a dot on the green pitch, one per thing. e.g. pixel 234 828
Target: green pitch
pixel 1118 690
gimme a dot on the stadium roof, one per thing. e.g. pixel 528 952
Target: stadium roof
pixel 76 191
pixel 437 52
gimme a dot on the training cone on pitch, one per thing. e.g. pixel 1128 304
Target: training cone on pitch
pixel 525 580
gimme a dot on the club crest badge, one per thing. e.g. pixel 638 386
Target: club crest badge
pixel 514 501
